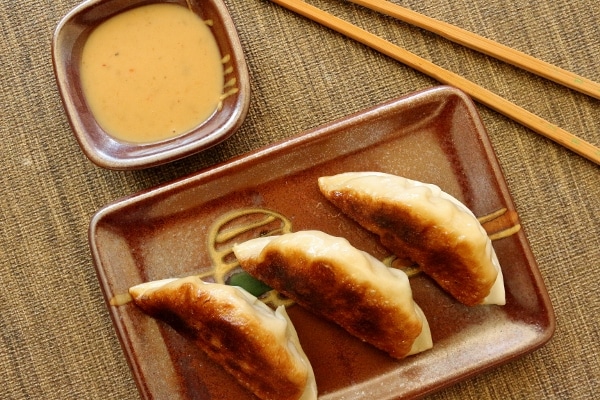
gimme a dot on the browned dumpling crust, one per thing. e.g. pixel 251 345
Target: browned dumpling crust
pixel 420 222
pixel 332 279
pixel 259 347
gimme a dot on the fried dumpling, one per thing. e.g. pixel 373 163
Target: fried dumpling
pixel 419 221
pixel 255 344
pixel 333 279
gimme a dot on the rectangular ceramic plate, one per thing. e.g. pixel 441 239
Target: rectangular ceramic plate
pixel 433 136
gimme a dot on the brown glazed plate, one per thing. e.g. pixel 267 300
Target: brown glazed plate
pixel 104 150
pixel 434 136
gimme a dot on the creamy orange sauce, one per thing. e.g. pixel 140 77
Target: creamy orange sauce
pixel 152 73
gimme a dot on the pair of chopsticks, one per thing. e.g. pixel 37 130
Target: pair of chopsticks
pixel 475 42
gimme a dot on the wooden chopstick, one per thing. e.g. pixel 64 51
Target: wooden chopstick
pixel 484 96
pixel 485 46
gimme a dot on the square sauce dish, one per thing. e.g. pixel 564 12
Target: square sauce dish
pixel 144 83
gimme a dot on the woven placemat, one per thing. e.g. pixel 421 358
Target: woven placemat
pixel 56 338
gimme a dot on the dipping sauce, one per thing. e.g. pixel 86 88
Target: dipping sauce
pixel 152 73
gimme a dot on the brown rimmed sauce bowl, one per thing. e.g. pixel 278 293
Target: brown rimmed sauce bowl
pixel 109 152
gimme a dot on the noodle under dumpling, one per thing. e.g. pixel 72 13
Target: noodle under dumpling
pixel 256 345
pixel 419 221
pixel 332 279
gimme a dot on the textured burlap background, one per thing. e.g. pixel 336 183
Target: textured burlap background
pixel 56 339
